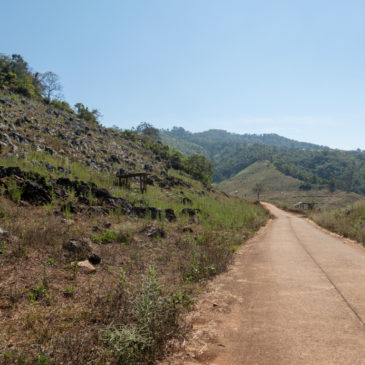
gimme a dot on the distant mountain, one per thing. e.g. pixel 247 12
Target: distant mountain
pixel 210 141
pixel 310 163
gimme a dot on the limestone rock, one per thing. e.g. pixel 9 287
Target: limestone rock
pixel 85 267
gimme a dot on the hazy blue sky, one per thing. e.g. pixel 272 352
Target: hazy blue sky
pixel 296 68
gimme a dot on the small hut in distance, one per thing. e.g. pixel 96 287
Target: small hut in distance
pixel 305 205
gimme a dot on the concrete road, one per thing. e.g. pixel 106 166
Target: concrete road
pixel 294 295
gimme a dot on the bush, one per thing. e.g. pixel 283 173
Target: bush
pixel 25 87
pixel 15 192
pixel 83 112
pixel 156 320
pixel 16 76
pixel 62 105
pixel 128 134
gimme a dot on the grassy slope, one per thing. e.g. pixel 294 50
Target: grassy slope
pixel 348 222
pixel 281 188
pixel 52 312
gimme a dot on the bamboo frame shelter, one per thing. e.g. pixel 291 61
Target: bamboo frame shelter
pixel 125 179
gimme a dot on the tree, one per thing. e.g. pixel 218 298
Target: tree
pixel 50 85
pixel 199 167
pixel 149 130
pixel 18 65
pixel 83 112
pixel 332 185
pixel 258 189
pixel 15 76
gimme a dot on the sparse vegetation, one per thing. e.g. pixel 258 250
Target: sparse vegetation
pixel 83 112
pixel 348 222
pixel 61 206
pixel 111 236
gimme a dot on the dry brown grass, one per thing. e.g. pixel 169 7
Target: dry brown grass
pixel 348 222
pixel 67 321
pixel 51 312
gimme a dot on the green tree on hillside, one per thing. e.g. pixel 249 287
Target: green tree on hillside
pixel 199 167
pixel 83 112
pixel 16 76
pixel 146 129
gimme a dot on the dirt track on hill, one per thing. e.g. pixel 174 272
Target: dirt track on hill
pixel 295 294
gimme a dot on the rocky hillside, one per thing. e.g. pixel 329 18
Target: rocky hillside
pixel 94 272
pixel 28 127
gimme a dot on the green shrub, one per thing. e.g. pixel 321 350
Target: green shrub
pixel 14 190
pixel 156 320
pixel 62 105
pixel 128 134
pixel 83 112
pixel 38 292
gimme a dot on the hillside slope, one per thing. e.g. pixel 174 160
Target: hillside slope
pixel 230 153
pixel 278 187
pixel 89 270
pixel 209 141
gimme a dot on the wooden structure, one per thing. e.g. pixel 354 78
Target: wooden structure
pixel 125 179
pixel 305 205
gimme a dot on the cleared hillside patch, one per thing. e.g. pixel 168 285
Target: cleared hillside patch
pixel 283 189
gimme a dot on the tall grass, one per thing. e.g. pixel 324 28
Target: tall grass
pixel 348 222
pixel 35 162
pixel 230 213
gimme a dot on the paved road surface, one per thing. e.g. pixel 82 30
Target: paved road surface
pixel 294 295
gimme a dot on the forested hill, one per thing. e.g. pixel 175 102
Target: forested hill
pixel 313 164
pixel 209 142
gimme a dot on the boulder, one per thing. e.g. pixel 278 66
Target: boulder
pixel 154 232
pixel 187 229
pixel 49 150
pixel 85 267
pixel 35 193
pixel 170 215
pixel 101 193
pixel 95 259
pixel 186 201
pixel 78 248
pixel 190 212
pixel 69 207
pixel 143 212
pixel 147 167
pixel 107 225
pixel 83 200
pixel 114 159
